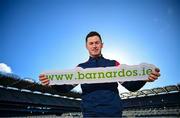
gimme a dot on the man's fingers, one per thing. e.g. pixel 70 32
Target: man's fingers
pixel 157 69
pixel 150 79
pixel 155 74
pixel 42 75
pixel 44 80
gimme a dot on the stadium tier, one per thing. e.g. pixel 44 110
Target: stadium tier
pixel 24 97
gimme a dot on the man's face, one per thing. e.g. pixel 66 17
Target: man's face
pixel 94 46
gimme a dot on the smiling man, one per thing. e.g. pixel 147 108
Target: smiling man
pixel 101 99
pixel 94 45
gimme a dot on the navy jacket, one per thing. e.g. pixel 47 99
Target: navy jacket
pixel 102 99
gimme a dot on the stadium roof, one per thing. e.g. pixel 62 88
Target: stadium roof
pixel 151 92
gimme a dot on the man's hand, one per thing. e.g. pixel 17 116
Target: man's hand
pixel 154 75
pixel 43 79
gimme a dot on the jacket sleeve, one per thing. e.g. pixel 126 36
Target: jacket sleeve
pixel 62 88
pixel 133 85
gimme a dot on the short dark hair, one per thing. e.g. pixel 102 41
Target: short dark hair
pixel 93 33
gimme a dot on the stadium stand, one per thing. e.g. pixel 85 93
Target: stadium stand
pixel 164 102
pixel 24 97
pixel 20 97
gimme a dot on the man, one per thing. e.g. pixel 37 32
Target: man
pixel 101 99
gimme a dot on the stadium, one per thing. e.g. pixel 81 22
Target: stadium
pixel 25 98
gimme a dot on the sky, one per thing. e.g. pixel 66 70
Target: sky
pixel 41 35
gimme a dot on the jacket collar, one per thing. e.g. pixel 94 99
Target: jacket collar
pixel 95 58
